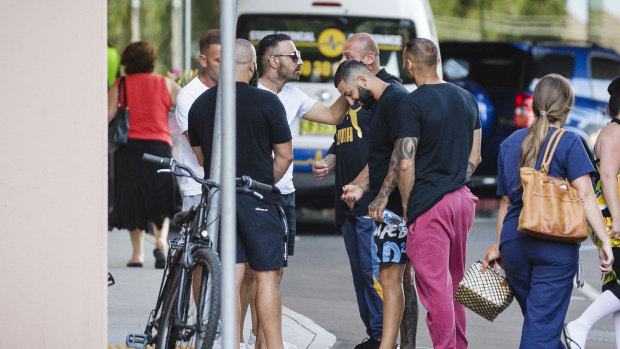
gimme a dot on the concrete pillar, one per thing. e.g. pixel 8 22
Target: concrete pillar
pixel 53 209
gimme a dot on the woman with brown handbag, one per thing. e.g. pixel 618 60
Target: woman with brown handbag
pixel 607 191
pixel 541 271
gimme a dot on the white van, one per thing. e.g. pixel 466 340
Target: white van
pixel 319 30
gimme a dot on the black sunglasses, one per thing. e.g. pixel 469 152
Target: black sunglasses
pixel 296 55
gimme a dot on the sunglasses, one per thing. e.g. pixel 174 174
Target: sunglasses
pixel 296 55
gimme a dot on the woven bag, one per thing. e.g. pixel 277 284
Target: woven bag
pixel 486 294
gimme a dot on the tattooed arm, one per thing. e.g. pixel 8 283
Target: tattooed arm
pixel 406 149
pixel 474 156
pixel 376 207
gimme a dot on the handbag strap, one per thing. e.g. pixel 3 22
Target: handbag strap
pixel 553 144
pixel 121 86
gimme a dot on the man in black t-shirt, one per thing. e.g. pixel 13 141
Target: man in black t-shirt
pixel 441 149
pixel 348 158
pixel 261 225
pixel 359 85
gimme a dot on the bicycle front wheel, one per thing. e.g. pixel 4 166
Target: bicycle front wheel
pixel 194 324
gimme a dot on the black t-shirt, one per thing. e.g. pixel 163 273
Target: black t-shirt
pixel 350 146
pixel 384 130
pixel 261 122
pixel 444 117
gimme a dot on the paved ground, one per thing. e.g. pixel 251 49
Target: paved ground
pixel 133 296
pixel 317 288
pixel 318 284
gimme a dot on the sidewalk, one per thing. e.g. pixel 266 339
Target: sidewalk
pixel 133 297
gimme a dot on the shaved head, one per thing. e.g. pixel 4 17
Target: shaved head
pixel 244 53
pixel 364 43
pixel 362 47
pixel 422 51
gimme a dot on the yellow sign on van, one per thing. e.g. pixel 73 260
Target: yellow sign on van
pixel 331 42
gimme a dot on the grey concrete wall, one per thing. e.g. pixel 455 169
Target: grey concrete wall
pixel 53 170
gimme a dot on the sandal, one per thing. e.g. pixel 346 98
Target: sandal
pixel 570 343
pixel 160 258
pixel 134 264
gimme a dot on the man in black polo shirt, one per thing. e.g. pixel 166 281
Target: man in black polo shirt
pixel 261 225
pixel 359 85
pixel 441 149
pixel 348 158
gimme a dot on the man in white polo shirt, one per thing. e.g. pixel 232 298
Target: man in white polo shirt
pixel 209 59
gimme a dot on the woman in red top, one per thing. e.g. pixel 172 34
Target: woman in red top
pixel 141 195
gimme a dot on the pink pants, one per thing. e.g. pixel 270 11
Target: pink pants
pixel 436 246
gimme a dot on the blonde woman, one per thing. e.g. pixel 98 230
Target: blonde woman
pixel 607 191
pixel 541 271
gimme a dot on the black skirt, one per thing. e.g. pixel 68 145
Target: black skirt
pixel 141 195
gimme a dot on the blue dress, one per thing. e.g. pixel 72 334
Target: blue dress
pixel 540 271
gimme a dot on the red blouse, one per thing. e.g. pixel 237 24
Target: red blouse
pixel 149 103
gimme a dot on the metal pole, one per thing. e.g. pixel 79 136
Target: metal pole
pixel 135 20
pixel 229 217
pixel 188 36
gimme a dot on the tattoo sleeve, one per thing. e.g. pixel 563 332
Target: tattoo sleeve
pixel 330 160
pixel 406 149
pixel 390 181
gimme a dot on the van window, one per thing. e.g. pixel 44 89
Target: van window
pixel 554 63
pixel 321 38
pixel 603 71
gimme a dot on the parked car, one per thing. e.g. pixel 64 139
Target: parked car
pixel 502 76
pixel 319 30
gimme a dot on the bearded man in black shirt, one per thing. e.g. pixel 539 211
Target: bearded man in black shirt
pixel 348 158
pixel 359 86
pixel 261 224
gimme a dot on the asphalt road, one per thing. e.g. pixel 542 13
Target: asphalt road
pixel 318 284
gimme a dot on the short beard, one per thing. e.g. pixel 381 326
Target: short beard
pixel 366 98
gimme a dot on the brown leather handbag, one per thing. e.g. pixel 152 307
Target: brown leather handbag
pixel 552 209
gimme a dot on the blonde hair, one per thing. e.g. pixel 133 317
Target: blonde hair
pixel 553 100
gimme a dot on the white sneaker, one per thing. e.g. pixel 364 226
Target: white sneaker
pixel 217 343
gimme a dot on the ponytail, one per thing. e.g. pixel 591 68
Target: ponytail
pixel 532 145
pixel 552 101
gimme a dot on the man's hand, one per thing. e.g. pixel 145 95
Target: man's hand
pixel 376 207
pixel 320 169
pixel 351 194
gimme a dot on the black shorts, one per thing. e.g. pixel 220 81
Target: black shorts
pixel 288 204
pixel 261 234
pixel 391 243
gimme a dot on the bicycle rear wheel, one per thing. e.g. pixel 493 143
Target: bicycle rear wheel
pixel 196 325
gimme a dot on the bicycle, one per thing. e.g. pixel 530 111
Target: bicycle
pixel 187 309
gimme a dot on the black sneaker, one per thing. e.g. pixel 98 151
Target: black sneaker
pixel 368 343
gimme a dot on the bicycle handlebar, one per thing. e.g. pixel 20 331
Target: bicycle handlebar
pixel 164 162
pixel 245 183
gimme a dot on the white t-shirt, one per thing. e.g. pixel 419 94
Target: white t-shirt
pixel 185 99
pixel 297 104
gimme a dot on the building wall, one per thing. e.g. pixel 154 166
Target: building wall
pixel 53 210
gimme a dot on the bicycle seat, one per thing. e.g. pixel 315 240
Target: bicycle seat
pixel 184 217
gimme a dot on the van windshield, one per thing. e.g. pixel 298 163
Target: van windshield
pixel 320 39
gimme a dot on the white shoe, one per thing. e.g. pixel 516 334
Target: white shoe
pixel 217 344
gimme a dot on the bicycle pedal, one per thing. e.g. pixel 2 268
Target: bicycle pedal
pixel 136 341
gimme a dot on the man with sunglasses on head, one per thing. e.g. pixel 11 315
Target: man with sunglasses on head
pixel 348 158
